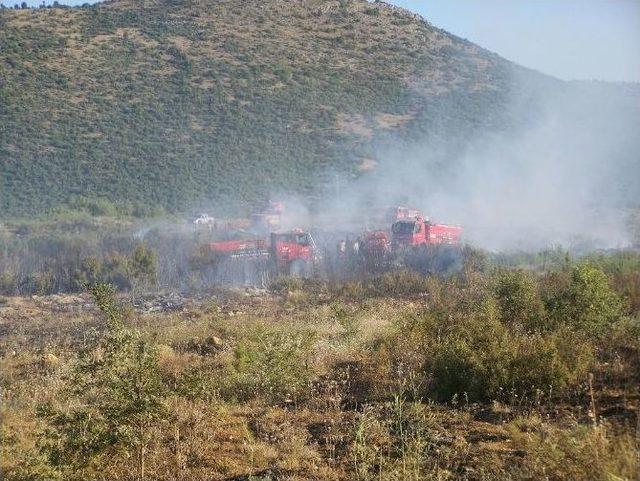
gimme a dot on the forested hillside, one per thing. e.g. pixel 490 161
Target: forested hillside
pixel 176 103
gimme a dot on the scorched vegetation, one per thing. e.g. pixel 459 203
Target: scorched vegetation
pixel 493 373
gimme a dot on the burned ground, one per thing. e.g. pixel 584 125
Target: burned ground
pixel 403 377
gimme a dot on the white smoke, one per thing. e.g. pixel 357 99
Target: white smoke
pixel 565 178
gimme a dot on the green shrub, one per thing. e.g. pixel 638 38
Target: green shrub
pixel 548 363
pixel 459 346
pixel 456 368
pixel 403 283
pixel 299 291
pixel 588 304
pixel 284 284
pixel 402 440
pixel 474 259
pixel 623 268
pixel 519 300
pixel 573 451
pixel 114 398
pixel 502 365
pixel 271 365
pixel 142 264
pixel 347 319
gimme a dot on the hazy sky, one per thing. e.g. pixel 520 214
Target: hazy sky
pixel 571 39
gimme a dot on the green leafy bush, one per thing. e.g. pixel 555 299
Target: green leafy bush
pixel 398 283
pixel 270 365
pixel 115 395
pixel 519 301
pixel 588 303
pixel 502 364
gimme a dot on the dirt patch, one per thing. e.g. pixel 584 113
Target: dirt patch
pixel 354 124
pixel 181 43
pixel 136 36
pixel 391 121
pixel 367 165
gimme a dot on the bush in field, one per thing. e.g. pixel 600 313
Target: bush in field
pixel 588 303
pixel 573 451
pixel 474 259
pixel 142 265
pixel 9 283
pixel 624 270
pixel 284 284
pixel 548 363
pixel 404 283
pixel 111 269
pixel 502 364
pixel 270 365
pixel 519 300
pixel 398 441
pixel 124 272
pixel 115 399
pixel 457 369
pixel 347 319
pixel 460 346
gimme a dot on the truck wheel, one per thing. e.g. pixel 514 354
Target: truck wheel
pixel 266 274
pixel 300 268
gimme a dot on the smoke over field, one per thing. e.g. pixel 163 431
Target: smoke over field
pixel 565 173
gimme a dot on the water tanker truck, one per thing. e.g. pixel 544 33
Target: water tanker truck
pixel 291 253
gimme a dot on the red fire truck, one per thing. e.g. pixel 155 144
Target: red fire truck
pixel 289 253
pixel 420 232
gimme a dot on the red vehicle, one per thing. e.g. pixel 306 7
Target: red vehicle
pixel 239 248
pixel 404 213
pixel 294 253
pixel 421 232
pixel 268 220
pixel 289 253
pixel 375 244
pixel 375 249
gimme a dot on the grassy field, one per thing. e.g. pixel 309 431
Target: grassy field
pixel 494 373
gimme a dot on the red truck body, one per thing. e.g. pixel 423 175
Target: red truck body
pixel 404 213
pixel 375 243
pixel 270 219
pixel 419 232
pixel 292 247
pixel 238 248
pixel 285 249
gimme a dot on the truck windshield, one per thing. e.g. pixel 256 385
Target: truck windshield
pixel 302 239
pixel 403 228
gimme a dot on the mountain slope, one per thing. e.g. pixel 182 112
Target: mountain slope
pixel 182 102
pixel 207 102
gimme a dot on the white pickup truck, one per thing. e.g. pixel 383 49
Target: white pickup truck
pixel 204 219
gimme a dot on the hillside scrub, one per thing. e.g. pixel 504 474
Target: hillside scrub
pixel 460 346
pixel 586 301
pixel 162 91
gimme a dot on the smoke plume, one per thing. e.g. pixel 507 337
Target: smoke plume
pixel 567 174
